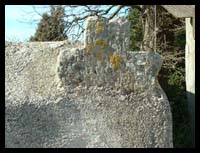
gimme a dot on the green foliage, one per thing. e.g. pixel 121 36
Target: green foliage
pixel 136 34
pixel 177 97
pixel 51 27
pixel 178 78
pixel 175 89
pixel 180 39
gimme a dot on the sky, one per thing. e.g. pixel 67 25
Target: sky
pixel 18 21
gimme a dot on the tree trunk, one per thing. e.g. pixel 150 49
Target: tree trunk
pixel 148 24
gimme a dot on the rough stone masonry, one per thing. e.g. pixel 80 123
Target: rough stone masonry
pixel 96 95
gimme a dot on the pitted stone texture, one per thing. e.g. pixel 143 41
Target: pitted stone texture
pixel 115 33
pixel 107 52
pixel 146 66
pixel 119 34
pixel 96 38
pixel 98 106
pixel 138 71
pixel 70 66
pixel 98 49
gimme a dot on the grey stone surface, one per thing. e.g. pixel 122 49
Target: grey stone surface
pixel 65 95
pixel 119 33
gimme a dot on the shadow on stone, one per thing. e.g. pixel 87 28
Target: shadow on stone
pixel 36 126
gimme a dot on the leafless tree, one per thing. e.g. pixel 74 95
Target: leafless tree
pixel 77 14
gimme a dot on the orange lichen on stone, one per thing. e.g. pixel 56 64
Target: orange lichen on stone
pixel 101 43
pixel 116 61
pixel 99 27
pixel 89 48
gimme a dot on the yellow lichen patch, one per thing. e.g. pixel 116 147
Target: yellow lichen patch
pixel 89 48
pixel 99 27
pixel 116 61
pixel 90 26
pixel 101 43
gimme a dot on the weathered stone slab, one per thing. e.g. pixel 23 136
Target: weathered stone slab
pixel 119 34
pixel 60 96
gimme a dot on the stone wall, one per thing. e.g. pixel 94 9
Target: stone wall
pixel 95 95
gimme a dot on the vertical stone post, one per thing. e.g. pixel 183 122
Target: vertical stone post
pixel 96 45
pixel 190 72
pixel 119 34
pixel 106 43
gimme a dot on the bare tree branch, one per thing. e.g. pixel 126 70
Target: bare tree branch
pixel 115 13
pixel 36 11
pixel 107 11
pixel 77 14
